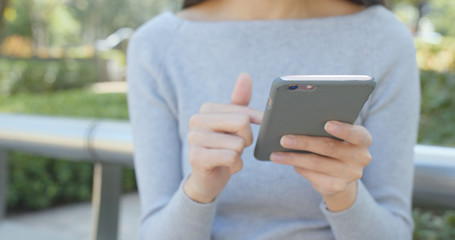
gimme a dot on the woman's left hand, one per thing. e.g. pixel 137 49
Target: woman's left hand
pixel 336 165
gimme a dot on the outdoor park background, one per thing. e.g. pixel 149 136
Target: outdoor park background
pixel 49 60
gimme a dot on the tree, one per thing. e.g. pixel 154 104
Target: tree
pixel 79 21
pixel 442 15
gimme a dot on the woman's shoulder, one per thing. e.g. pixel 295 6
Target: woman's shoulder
pixel 158 31
pixel 388 30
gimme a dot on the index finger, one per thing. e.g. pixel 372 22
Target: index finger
pixel 254 115
pixel 354 134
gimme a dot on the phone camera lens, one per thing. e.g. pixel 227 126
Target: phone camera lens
pixel 293 86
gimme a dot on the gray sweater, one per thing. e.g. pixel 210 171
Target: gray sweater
pixel 175 65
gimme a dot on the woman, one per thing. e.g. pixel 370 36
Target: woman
pixel 196 172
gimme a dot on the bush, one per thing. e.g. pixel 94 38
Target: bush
pixel 44 75
pixel 435 225
pixel 38 182
pixel 436 121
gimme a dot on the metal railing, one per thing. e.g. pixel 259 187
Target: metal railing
pixel 108 144
pixel 434 177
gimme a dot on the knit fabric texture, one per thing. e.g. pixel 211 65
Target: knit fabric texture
pixel 176 65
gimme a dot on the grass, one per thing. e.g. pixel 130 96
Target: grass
pixel 71 103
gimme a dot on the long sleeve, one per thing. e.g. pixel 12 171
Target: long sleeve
pixel 176 65
pixel 382 209
pixel 168 213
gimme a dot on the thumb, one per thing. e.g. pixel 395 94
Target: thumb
pixel 241 95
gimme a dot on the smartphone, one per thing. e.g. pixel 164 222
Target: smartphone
pixel 302 104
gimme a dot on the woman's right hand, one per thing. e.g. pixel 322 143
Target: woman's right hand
pixel 218 134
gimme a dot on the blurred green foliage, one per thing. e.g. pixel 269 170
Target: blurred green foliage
pixel 437 125
pixel 44 75
pixel 77 22
pixel 442 15
pixel 81 103
pixel 438 57
pixel 437 64
pixel 434 225
pixel 38 182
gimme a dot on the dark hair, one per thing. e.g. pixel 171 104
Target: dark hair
pixel 366 3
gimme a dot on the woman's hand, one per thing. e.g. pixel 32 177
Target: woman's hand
pixel 337 165
pixel 218 134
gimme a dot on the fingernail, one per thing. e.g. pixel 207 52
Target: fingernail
pixel 288 141
pixel 332 127
pixel 277 157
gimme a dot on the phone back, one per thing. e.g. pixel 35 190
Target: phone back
pixel 303 108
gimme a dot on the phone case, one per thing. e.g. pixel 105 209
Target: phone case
pixel 302 104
